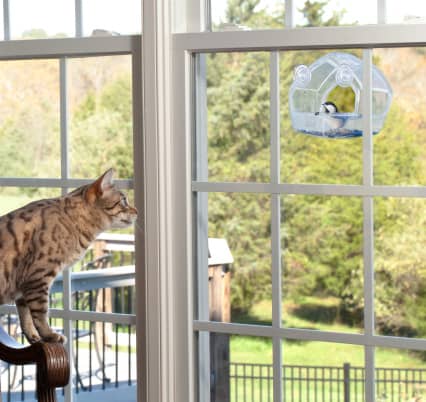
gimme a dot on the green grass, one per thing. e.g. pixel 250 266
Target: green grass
pixel 258 350
pixel 10 202
pixel 12 198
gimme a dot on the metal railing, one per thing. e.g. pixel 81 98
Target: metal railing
pixel 104 352
pixel 253 383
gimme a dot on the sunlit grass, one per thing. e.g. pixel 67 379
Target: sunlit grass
pixel 258 350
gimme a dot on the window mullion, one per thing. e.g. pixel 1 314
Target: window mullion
pixel 368 226
pixel 202 225
pixel 381 12
pixel 275 116
pixel 78 18
pixel 289 13
pixel 208 25
pixel 64 176
pixel 276 221
pixel 64 119
pixel 6 19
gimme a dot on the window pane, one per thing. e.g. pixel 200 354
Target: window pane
pixel 18 383
pixel 322 371
pixel 29 119
pixel 1 24
pixel 311 148
pixel 400 266
pixel 238 116
pixel 335 12
pixel 105 359
pixel 241 368
pixel 105 279
pixel 400 153
pixel 229 15
pixel 41 19
pixel 111 16
pixel 322 263
pixel 12 198
pixel 101 136
pixel 243 220
pixel 400 374
pixel 413 11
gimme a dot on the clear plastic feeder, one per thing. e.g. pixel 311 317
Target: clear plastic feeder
pixel 312 86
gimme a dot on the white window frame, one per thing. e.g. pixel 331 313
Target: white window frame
pixel 183 223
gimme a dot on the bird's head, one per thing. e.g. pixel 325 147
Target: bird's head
pixel 328 107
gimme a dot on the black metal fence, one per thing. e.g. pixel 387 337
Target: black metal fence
pixel 254 383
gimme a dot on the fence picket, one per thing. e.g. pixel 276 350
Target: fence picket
pixel 323 383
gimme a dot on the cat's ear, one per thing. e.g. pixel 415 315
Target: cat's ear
pixel 106 180
pixel 102 184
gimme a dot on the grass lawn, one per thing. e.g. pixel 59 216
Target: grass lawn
pixel 259 350
pixel 9 202
pixel 12 198
pixel 315 384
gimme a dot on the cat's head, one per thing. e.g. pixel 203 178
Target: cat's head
pixel 112 201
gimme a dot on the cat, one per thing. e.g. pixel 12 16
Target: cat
pixel 40 239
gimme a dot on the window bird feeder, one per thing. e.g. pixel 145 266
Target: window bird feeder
pixel 312 109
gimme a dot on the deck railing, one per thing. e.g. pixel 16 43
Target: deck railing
pixel 104 352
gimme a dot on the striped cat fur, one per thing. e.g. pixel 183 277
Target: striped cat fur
pixel 38 240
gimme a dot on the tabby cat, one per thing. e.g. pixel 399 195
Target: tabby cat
pixel 38 240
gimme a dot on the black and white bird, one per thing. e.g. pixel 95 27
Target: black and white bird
pixel 327 107
pixel 330 116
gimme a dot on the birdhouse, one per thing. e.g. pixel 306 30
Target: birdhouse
pixel 312 109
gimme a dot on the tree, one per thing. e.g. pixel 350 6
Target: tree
pixel 240 11
pixel 102 131
pixel 313 11
pixel 321 236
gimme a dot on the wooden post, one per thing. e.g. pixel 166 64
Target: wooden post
pixel 103 299
pixel 220 310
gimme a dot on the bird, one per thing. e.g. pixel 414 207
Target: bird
pixel 327 107
pixel 331 120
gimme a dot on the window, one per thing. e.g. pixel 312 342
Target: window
pixel 230 15
pixel 70 110
pixel 23 19
pixel 285 215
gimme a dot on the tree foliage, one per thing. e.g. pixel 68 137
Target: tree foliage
pixel 313 12
pixel 322 236
pixel 102 131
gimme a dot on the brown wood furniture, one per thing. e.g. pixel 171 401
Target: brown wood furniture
pixel 51 361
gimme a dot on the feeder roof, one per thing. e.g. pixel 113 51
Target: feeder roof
pixel 342 69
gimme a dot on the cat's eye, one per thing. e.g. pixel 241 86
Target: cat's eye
pixel 124 202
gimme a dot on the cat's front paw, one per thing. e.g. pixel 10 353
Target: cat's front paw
pixel 33 338
pixel 55 337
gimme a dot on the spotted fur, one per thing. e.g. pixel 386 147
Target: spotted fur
pixel 38 240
